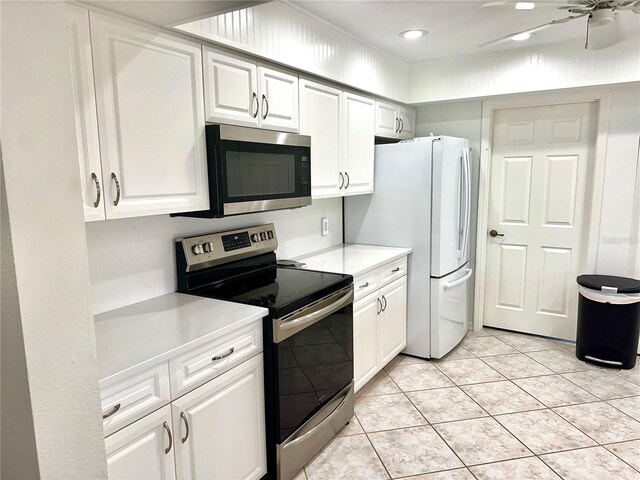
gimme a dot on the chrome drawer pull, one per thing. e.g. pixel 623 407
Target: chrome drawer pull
pixel 112 411
pixel 364 285
pixel 166 427
pixel 186 426
pixel 224 355
pixel 397 269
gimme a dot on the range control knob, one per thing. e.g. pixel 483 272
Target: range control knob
pixel 197 249
pixel 263 236
pixel 208 246
pixel 255 238
pixel 270 234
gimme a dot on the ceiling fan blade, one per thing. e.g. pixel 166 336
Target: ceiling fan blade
pixel 531 30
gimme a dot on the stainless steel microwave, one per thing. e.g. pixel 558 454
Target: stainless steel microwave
pixel 252 170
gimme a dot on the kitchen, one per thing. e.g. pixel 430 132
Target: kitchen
pixel 128 255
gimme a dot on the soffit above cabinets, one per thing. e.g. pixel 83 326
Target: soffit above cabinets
pixel 456 28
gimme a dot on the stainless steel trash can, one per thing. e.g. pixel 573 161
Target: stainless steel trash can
pixel 608 320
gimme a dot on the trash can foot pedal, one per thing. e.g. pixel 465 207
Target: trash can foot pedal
pixel 600 360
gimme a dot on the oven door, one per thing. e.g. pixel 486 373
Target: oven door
pixel 314 349
pixel 261 170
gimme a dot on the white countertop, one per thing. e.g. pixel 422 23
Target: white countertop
pixel 352 259
pixel 147 333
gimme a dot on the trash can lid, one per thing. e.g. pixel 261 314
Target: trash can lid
pixel 609 283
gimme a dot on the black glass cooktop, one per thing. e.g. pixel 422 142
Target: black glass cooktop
pixel 280 289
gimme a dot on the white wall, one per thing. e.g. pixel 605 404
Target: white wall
pixel 546 67
pixel 54 326
pixel 133 259
pixel 618 246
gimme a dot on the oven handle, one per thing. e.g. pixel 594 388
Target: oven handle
pixel 320 310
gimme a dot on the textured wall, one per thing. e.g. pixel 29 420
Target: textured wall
pixel 40 167
pixel 133 259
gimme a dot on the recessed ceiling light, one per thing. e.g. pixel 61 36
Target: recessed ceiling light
pixel 519 37
pixel 525 6
pixel 413 34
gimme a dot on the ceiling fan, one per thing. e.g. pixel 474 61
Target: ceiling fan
pixel 598 13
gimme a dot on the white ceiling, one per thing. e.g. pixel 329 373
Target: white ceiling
pixel 456 27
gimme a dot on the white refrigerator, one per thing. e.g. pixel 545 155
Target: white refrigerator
pixel 422 200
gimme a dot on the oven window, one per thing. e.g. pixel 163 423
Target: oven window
pixel 252 174
pixel 313 366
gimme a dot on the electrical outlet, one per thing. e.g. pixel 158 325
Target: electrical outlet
pixel 325 226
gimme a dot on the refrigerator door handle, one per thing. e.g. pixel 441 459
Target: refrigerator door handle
pixel 455 283
pixel 463 208
pixel 467 205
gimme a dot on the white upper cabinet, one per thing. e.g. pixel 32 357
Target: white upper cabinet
pixel 278 100
pixel 321 118
pixel 220 426
pixel 231 89
pixel 387 122
pixel 144 449
pixel 151 119
pixel 239 92
pixel 81 63
pixel 358 144
pixel 393 121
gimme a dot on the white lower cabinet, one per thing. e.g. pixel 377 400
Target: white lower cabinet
pixel 214 432
pixel 379 329
pixel 220 427
pixel 144 449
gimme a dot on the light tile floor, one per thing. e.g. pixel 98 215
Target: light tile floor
pixel 501 405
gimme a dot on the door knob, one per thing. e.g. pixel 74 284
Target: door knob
pixel 494 234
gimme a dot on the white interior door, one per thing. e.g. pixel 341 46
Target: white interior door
pixel 539 177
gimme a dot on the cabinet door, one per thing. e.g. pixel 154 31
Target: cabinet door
pixel 84 100
pixel 365 339
pixel 358 144
pixel 320 117
pixel 231 89
pixel 150 118
pixel 407 123
pixel 144 449
pixel 278 100
pixel 387 124
pixel 393 320
pixel 220 426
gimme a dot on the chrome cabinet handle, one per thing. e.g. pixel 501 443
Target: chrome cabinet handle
pixel 186 426
pixel 379 305
pixel 265 102
pixel 224 355
pixel 112 411
pixel 401 126
pixel 364 285
pixel 94 177
pixel 495 234
pixel 348 180
pixel 397 125
pixel 341 181
pixel 115 179
pixel 385 303
pixel 166 427
pixel 255 98
pixel 397 269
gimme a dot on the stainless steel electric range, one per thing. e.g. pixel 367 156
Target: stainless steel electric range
pixel 308 336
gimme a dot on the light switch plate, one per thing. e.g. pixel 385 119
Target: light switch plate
pixel 325 226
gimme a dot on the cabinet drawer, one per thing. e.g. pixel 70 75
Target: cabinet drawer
pixel 127 400
pixel 392 270
pixel 365 284
pixel 200 365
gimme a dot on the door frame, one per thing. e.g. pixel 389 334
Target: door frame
pixel 560 97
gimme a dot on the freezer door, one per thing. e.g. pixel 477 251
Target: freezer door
pixel 449 206
pixel 449 311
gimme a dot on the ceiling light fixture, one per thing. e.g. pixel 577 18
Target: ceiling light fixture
pixel 519 37
pixel 525 6
pixel 413 34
